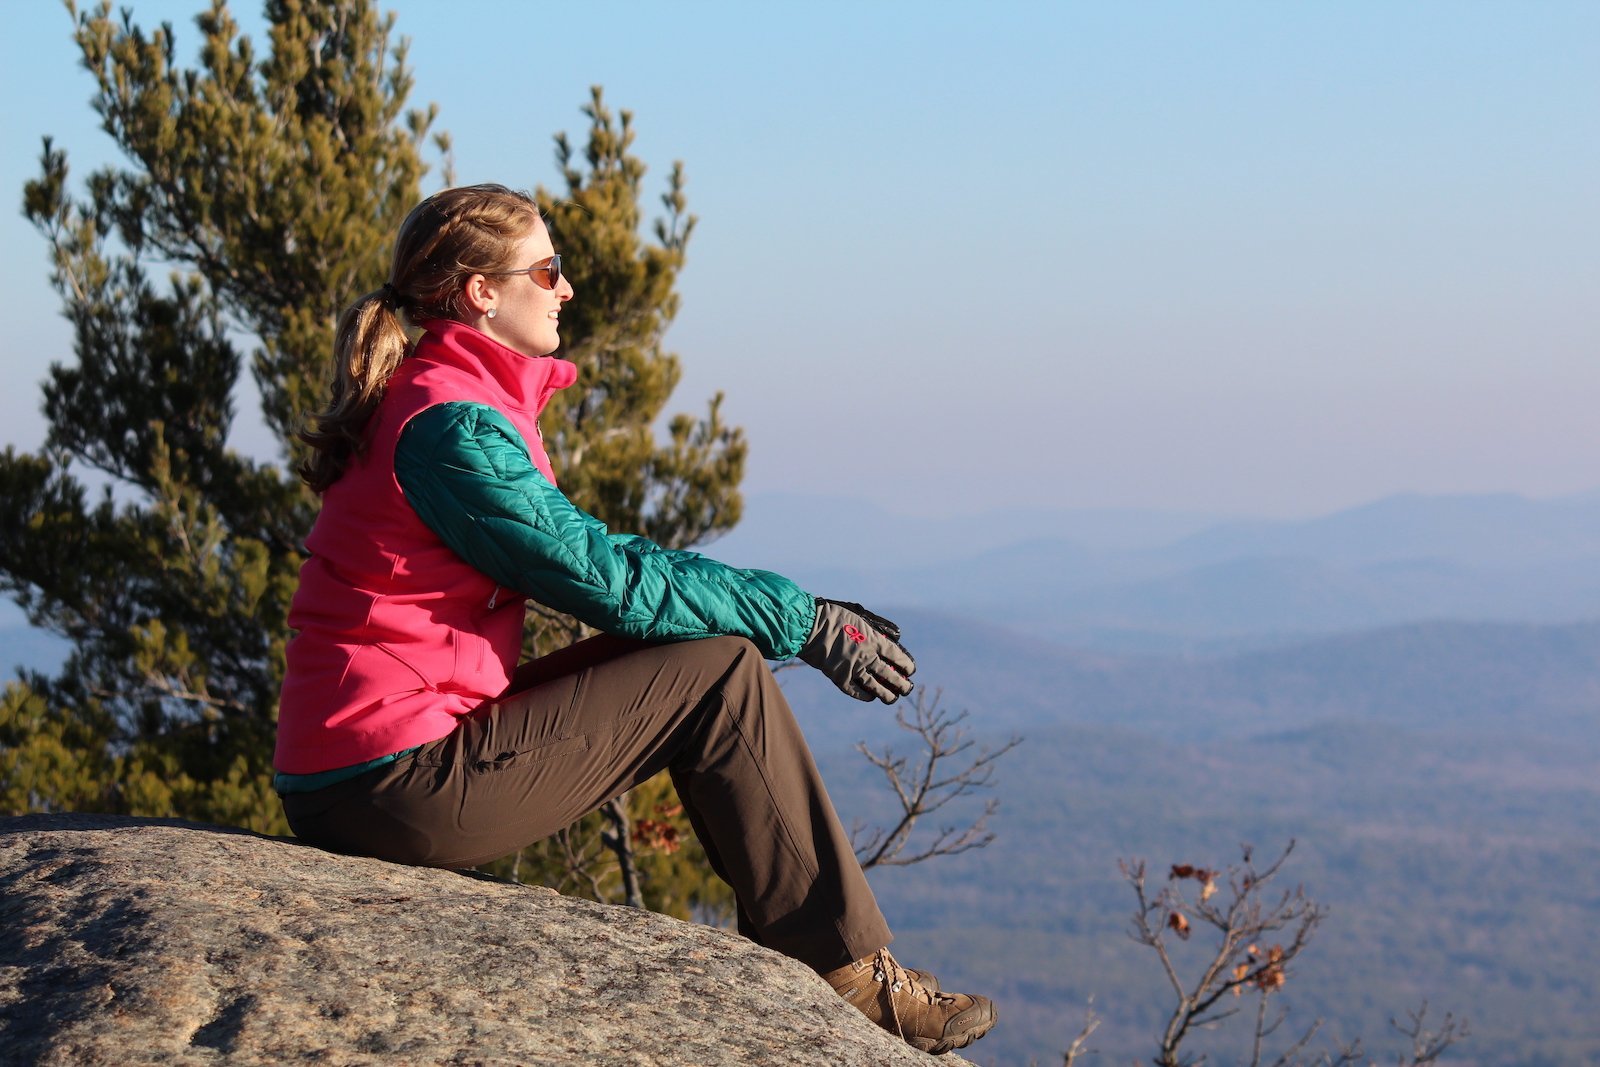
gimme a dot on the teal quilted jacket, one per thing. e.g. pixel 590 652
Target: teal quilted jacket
pixel 466 470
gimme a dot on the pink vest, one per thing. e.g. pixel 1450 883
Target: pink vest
pixel 397 635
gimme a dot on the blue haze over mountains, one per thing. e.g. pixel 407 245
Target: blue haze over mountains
pixel 1409 690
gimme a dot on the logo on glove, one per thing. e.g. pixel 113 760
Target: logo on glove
pixel 854 634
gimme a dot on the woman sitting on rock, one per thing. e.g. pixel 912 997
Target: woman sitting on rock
pixel 408 732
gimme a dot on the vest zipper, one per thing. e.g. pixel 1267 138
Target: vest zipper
pixel 495 598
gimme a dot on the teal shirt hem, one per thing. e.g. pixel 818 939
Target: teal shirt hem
pixel 283 784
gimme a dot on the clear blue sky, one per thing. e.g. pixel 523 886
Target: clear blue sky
pixel 1234 257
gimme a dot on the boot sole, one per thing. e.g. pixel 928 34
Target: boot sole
pixel 961 1040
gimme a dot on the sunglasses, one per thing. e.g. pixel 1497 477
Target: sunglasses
pixel 546 275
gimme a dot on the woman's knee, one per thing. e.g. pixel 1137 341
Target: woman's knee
pixel 735 662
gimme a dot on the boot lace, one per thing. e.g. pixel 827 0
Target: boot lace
pixel 887 969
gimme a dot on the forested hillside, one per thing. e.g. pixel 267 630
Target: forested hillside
pixel 1439 781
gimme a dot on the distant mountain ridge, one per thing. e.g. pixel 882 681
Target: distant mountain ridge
pixel 784 531
pixel 1493 678
pixel 1494 530
pixel 1218 586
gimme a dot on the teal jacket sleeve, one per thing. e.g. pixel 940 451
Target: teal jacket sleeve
pixel 467 472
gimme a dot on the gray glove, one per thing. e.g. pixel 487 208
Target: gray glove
pixel 859 651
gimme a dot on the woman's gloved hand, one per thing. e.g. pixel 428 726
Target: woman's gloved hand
pixel 859 651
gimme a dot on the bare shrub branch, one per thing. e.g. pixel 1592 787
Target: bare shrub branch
pixel 1426 1045
pixel 945 771
pixel 1076 1051
pixel 1243 911
pixel 1242 961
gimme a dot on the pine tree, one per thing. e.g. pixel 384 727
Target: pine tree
pixel 688 492
pixel 267 191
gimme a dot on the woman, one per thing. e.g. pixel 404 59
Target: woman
pixel 407 731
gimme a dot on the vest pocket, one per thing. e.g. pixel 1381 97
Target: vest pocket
pixel 472 656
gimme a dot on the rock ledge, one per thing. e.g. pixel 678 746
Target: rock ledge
pixel 131 941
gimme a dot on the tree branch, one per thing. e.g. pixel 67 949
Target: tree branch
pixel 928 786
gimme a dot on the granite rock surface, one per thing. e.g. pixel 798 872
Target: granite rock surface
pixel 141 941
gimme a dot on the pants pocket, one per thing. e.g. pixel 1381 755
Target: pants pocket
pixel 506 761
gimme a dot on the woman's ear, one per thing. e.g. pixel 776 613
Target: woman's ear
pixel 478 295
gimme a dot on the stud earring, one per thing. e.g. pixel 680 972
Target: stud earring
pixel 490 313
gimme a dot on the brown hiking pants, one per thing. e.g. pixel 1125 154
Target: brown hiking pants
pixel 585 724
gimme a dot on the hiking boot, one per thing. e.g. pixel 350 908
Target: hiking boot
pixel 923 1017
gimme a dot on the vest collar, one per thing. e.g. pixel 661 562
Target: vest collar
pixel 523 382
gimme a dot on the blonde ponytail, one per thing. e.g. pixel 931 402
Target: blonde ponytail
pixel 368 346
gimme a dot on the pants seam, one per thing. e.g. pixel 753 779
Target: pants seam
pixel 789 834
